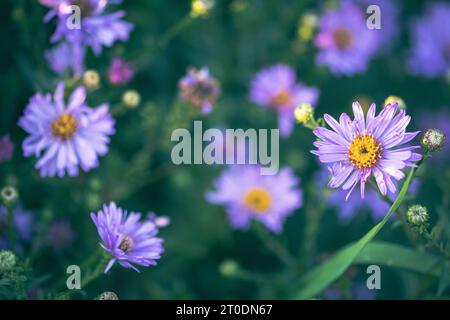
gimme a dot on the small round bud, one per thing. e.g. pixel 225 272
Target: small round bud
pixel 228 268
pixel 303 113
pixel 7 260
pixel 433 140
pixel 395 99
pixel 307 25
pixel 9 196
pixel 91 79
pixel 131 98
pixel 108 295
pixel 417 216
pixel 200 8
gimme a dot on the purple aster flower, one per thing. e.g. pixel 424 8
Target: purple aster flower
pixel 69 135
pixel 64 56
pixel 127 239
pixel 347 210
pixel 60 234
pixel 23 224
pixel 6 148
pixel 389 20
pixel 354 150
pixel 120 72
pixel 159 221
pixel 97 27
pixel 249 195
pixel 430 36
pixel 276 87
pixel 199 89
pixel 345 43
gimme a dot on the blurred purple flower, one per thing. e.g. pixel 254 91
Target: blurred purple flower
pixel 127 239
pixel 358 291
pixel 70 135
pixel 199 89
pixel 249 195
pixel 97 28
pixel 345 43
pixel 64 56
pixel 389 28
pixel 23 223
pixel 276 86
pixel 6 148
pixel 430 37
pixel 367 145
pixel 120 72
pixel 159 221
pixel 60 234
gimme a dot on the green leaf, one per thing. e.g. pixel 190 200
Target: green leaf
pixel 396 256
pixel 322 276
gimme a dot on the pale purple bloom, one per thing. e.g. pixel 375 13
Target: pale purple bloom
pixel 129 240
pixel 345 43
pixel 276 86
pixel 23 224
pixel 248 195
pixel 65 136
pixel 120 72
pixel 159 221
pixel 64 56
pixel 356 149
pixel 389 12
pixel 430 37
pixel 200 89
pixel 97 27
pixel 6 148
pixel 60 234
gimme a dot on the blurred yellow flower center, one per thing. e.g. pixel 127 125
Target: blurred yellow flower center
pixel 64 126
pixel 342 38
pixel 282 99
pixel 126 244
pixel 364 152
pixel 257 200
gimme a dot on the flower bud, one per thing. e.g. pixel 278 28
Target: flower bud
pixel 91 79
pixel 200 8
pixel 7 261
pixel 433 140
pixel 417 216
pixel 395 99
pixel 131 98
pixel 228 268
pixel 9 196
pixel 108 295
pixel 303 113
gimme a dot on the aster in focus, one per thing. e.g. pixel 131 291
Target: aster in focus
pixel 129 240
pixel 120 72
pixel 199 89
pixel 97 28
pixel 356 149
pixel 65 136
pixel 345 43
pixel 248 195
pixel 276 87
pixel 430 36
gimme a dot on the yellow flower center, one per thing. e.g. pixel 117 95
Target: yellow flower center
pixel 257 200
pixel 64 126
pixel 342 38
pixel 126 244
pixel 364 152
pixel 281 99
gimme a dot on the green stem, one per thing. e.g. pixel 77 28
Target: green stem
pixel 11 228
pixel 276 247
